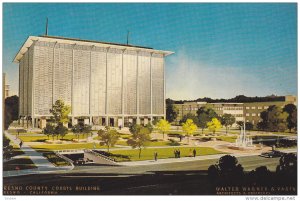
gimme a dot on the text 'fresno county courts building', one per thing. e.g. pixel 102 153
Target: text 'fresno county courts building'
pixel 104 83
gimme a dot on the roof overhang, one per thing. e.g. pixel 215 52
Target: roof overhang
pixel 27 44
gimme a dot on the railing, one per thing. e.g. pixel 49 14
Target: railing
pixel 100 155
pixel 70 151
pixel 65 158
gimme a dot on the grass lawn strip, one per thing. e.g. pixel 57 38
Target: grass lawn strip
pixel 148 153
pixel 19 163
pixel 52 147
pixel 55 160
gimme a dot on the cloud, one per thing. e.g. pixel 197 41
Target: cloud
pixel 187 78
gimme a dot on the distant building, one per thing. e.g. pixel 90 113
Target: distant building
pixel 104 83
pixel 252 110
pixel 5 86
pixel 241 111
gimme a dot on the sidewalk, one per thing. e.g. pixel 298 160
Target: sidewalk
pixel 41 162
pixel 197 158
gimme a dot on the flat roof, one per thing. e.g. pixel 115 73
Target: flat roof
pixel 78 41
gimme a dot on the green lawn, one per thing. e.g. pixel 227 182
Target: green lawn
pixel 148 153
pixel 43 138
pixel 55 160
pixel 230 139
pixel 150 144
pixel 19 163
pixel 51 147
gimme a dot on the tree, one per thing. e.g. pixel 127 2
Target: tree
pixel 249 126
pixel 291 109
pixel 108 137
pixel 140 137
pixel 240 124
pixel 171 112
pixel 227 170
pixel 189 127
pixel 49 130
pixel 7 148
pixel 163 126
pixel 273 119
pixel 189 116
pixel 227 120
pixel 214 125
pixel 202 121
pixel 86 129
pixel 81 129
pixel 11 110
pixel 61 130
pixel 60 112
pixel 211 113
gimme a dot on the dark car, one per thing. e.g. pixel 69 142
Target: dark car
pixel 272 154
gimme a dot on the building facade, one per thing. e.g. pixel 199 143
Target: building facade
pixel 5 86
pixel 241 111
pixel 104 83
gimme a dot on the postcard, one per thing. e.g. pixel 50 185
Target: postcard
pixel 149 99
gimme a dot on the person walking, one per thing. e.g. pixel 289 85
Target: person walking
pixel 155 156
pixel 194 152
pixel 190 153
pixel 175 153
pixel 21 143
pixel 178 153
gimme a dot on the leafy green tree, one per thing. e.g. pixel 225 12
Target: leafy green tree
pixel 171 112
pixel 140 137
pixel 77 130
pixel 211 113
pixel 49 130
pixel 273 119
pixel 11 110
pixel 291 109
pixel 189 116
pixel 108 137
pixel 150 127
pixel 164 126
pixel 249 126
pixel 189 127
pixel 60 112
pixel 61 130
pixel 240 124
pixel 227 120
pixel 86 129
pixel 202 121
pixel 214 125
pixel 7 148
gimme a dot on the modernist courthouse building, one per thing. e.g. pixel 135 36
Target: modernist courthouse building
pixel 104 83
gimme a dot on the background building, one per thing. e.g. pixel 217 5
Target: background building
pixel 5 86
pixel 241 111
pixel 104 83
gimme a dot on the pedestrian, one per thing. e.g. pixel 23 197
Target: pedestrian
pixel 21 143
pixel 194 152
pixel 155 156
pixel 178 153
pixel 120 127
pixel 175 153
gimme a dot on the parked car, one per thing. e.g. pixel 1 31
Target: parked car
pixel 272 154
pixel 80 161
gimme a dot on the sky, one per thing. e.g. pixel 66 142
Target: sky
pixel 221 50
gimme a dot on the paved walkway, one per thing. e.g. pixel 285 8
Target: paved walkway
pixel 197 158
pixel 41 162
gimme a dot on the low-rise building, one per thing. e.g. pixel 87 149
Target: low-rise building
pixel 241 111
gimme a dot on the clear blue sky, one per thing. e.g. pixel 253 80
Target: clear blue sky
pixel 221 50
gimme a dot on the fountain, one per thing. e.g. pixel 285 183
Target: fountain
pixel 243 141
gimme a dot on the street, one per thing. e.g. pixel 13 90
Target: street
pixel 160 179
